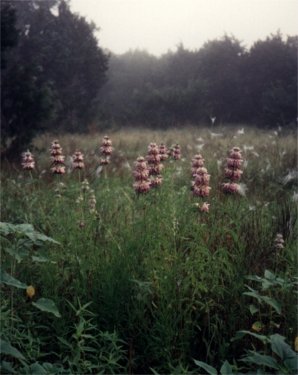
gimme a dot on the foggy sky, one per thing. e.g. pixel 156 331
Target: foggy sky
pixel 160 25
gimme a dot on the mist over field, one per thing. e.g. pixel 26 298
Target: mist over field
pixel 148 200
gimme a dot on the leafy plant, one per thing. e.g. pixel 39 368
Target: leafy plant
pixel 274 354
pixel 87 349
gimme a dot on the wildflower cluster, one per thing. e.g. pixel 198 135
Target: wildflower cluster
pixel 141 176
pixel 59 190
pixel 163 152
pixel 106 150
pixel 28 162
pixel 57 157
pixel 279 242
pixel 196 162
pixel 87 195
pixel 200 184
pixel 233 171
pixel 92 202
pixel 78 160
pixel 175 152
pixel 154 165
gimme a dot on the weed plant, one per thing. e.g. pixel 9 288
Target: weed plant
pixel 146 283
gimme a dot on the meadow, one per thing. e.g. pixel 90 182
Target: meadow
pixel 99 279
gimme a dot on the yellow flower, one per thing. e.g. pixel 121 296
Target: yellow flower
pixel 296 344
pixel 257 326
pixel 30 291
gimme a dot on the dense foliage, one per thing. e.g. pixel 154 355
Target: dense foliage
pixel 222 79
pixel 52 70
pixel 148 283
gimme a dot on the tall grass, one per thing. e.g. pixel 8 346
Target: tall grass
pixel 147 283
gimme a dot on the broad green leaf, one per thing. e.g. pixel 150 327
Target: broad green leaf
pixel 261 360
pixel 6 348
pixel 281 348
pixel 272 302
pixel 47 305
pixel 18 254
pixel 36 236
pixel 8 228
pixel 269 275
pixel 210 370
pixel 5 278
pixel 37 369
pixel 254 295
pixel 226 369
pixel 40 259
pixel 254 278
pixel 7 367
pixel 240 334
pixel 25 230
pixel 253 309
pixel 292 364
pixel 266 284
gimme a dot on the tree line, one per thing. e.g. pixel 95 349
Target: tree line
pixel 55 76
pixel 222 79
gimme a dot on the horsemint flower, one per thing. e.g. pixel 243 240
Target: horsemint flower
pixel 233 171
pixel 141 176
pixel 78 160
pixel 163 152
pixel 200 184
pixel 176 152
pixel 57 158
pixel 154 165
pixel 279 242
pixel 196 162
pixel 28 162
pixel 106 150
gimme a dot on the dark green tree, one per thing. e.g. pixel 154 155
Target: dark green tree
pixel 53 76
pixel 9 32
pixel 77 66
pixel 25 99
pixel 271 81
pixel 220 67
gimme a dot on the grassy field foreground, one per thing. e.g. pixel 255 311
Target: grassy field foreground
pixel 149 283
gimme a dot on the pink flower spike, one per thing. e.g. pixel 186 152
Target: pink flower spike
pixel 28 162
pixel 106 148
pixel 57 158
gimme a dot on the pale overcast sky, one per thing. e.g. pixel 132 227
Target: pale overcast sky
pixel 160 25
